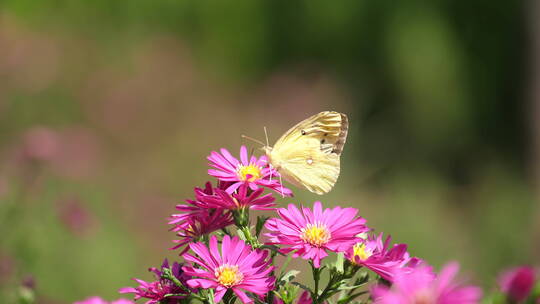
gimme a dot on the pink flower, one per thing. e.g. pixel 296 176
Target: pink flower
pixel 193 207
pixel 309 234
pixel 242 198
pixel 191 228
pixel 421 286
pixel 517 283
pixel 156 291
pixel 238 267
pixel 253 171
pixel 98 300
pixel 374 254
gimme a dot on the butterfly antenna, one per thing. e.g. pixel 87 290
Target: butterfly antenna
pixel 253 139
pixel 281 183
pixel 266 135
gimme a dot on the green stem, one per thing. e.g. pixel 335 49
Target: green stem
pixel 316 277
pixel 253 241
pixel 229 298
pixel 327 292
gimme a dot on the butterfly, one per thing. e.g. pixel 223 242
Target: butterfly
pixel 308 155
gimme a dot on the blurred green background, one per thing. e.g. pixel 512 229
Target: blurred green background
pixel 109 108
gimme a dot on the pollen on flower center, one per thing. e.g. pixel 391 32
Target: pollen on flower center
pixel 316 234
pixel 360 251
pixel 249 173
pixel 228 275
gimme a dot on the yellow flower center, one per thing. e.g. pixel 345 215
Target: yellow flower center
pixel 423 296
pixel 254 172
pixel 228 275
pixel 360 251
pixel 316 234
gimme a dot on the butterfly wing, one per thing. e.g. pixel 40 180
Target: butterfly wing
pixel 308 154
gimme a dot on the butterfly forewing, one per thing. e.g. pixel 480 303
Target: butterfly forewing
pixel 307 155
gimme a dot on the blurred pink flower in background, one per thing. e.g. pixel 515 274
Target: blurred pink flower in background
pixel 7 267
pixel 40 144
pixel 517 283
pixel 98 300
pixel 76 217
pixel 72 152
pixel 421 286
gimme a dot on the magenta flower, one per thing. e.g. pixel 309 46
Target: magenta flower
pixel 517 283
pixel 374 254
pixel 193 207
pixel 156 291
pixel 421 286
pixel 238 267
pixel 253 171
pixel 242 198
pixel 309 234
pixel 98 300
pixel 192 227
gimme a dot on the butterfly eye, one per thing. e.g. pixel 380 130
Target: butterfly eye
pixel 303 132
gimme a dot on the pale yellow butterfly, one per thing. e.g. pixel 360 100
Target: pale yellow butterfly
pixel 308 154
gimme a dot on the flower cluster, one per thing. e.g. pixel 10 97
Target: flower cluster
pixel 165 287
pixel 226 259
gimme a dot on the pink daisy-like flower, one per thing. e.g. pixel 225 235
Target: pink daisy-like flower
pixel 421 286
pixel 192 227
pixel 238 267
pixel 376 255
pixel 309 234
pixel 517 283
pixel 244 197
pixel 253 171
pixel 98 300
pixel 157 291
pixel 193 207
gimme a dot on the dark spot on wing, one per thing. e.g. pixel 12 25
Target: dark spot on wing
pixel 322 141
pixel 303 132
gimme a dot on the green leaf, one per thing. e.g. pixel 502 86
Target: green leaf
pixel 241 235
pixel 304 287
pixel 289 276
pixel 339 262
pixel 345 287
pixel 261 220
pixel 348 299
pixel 273 248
